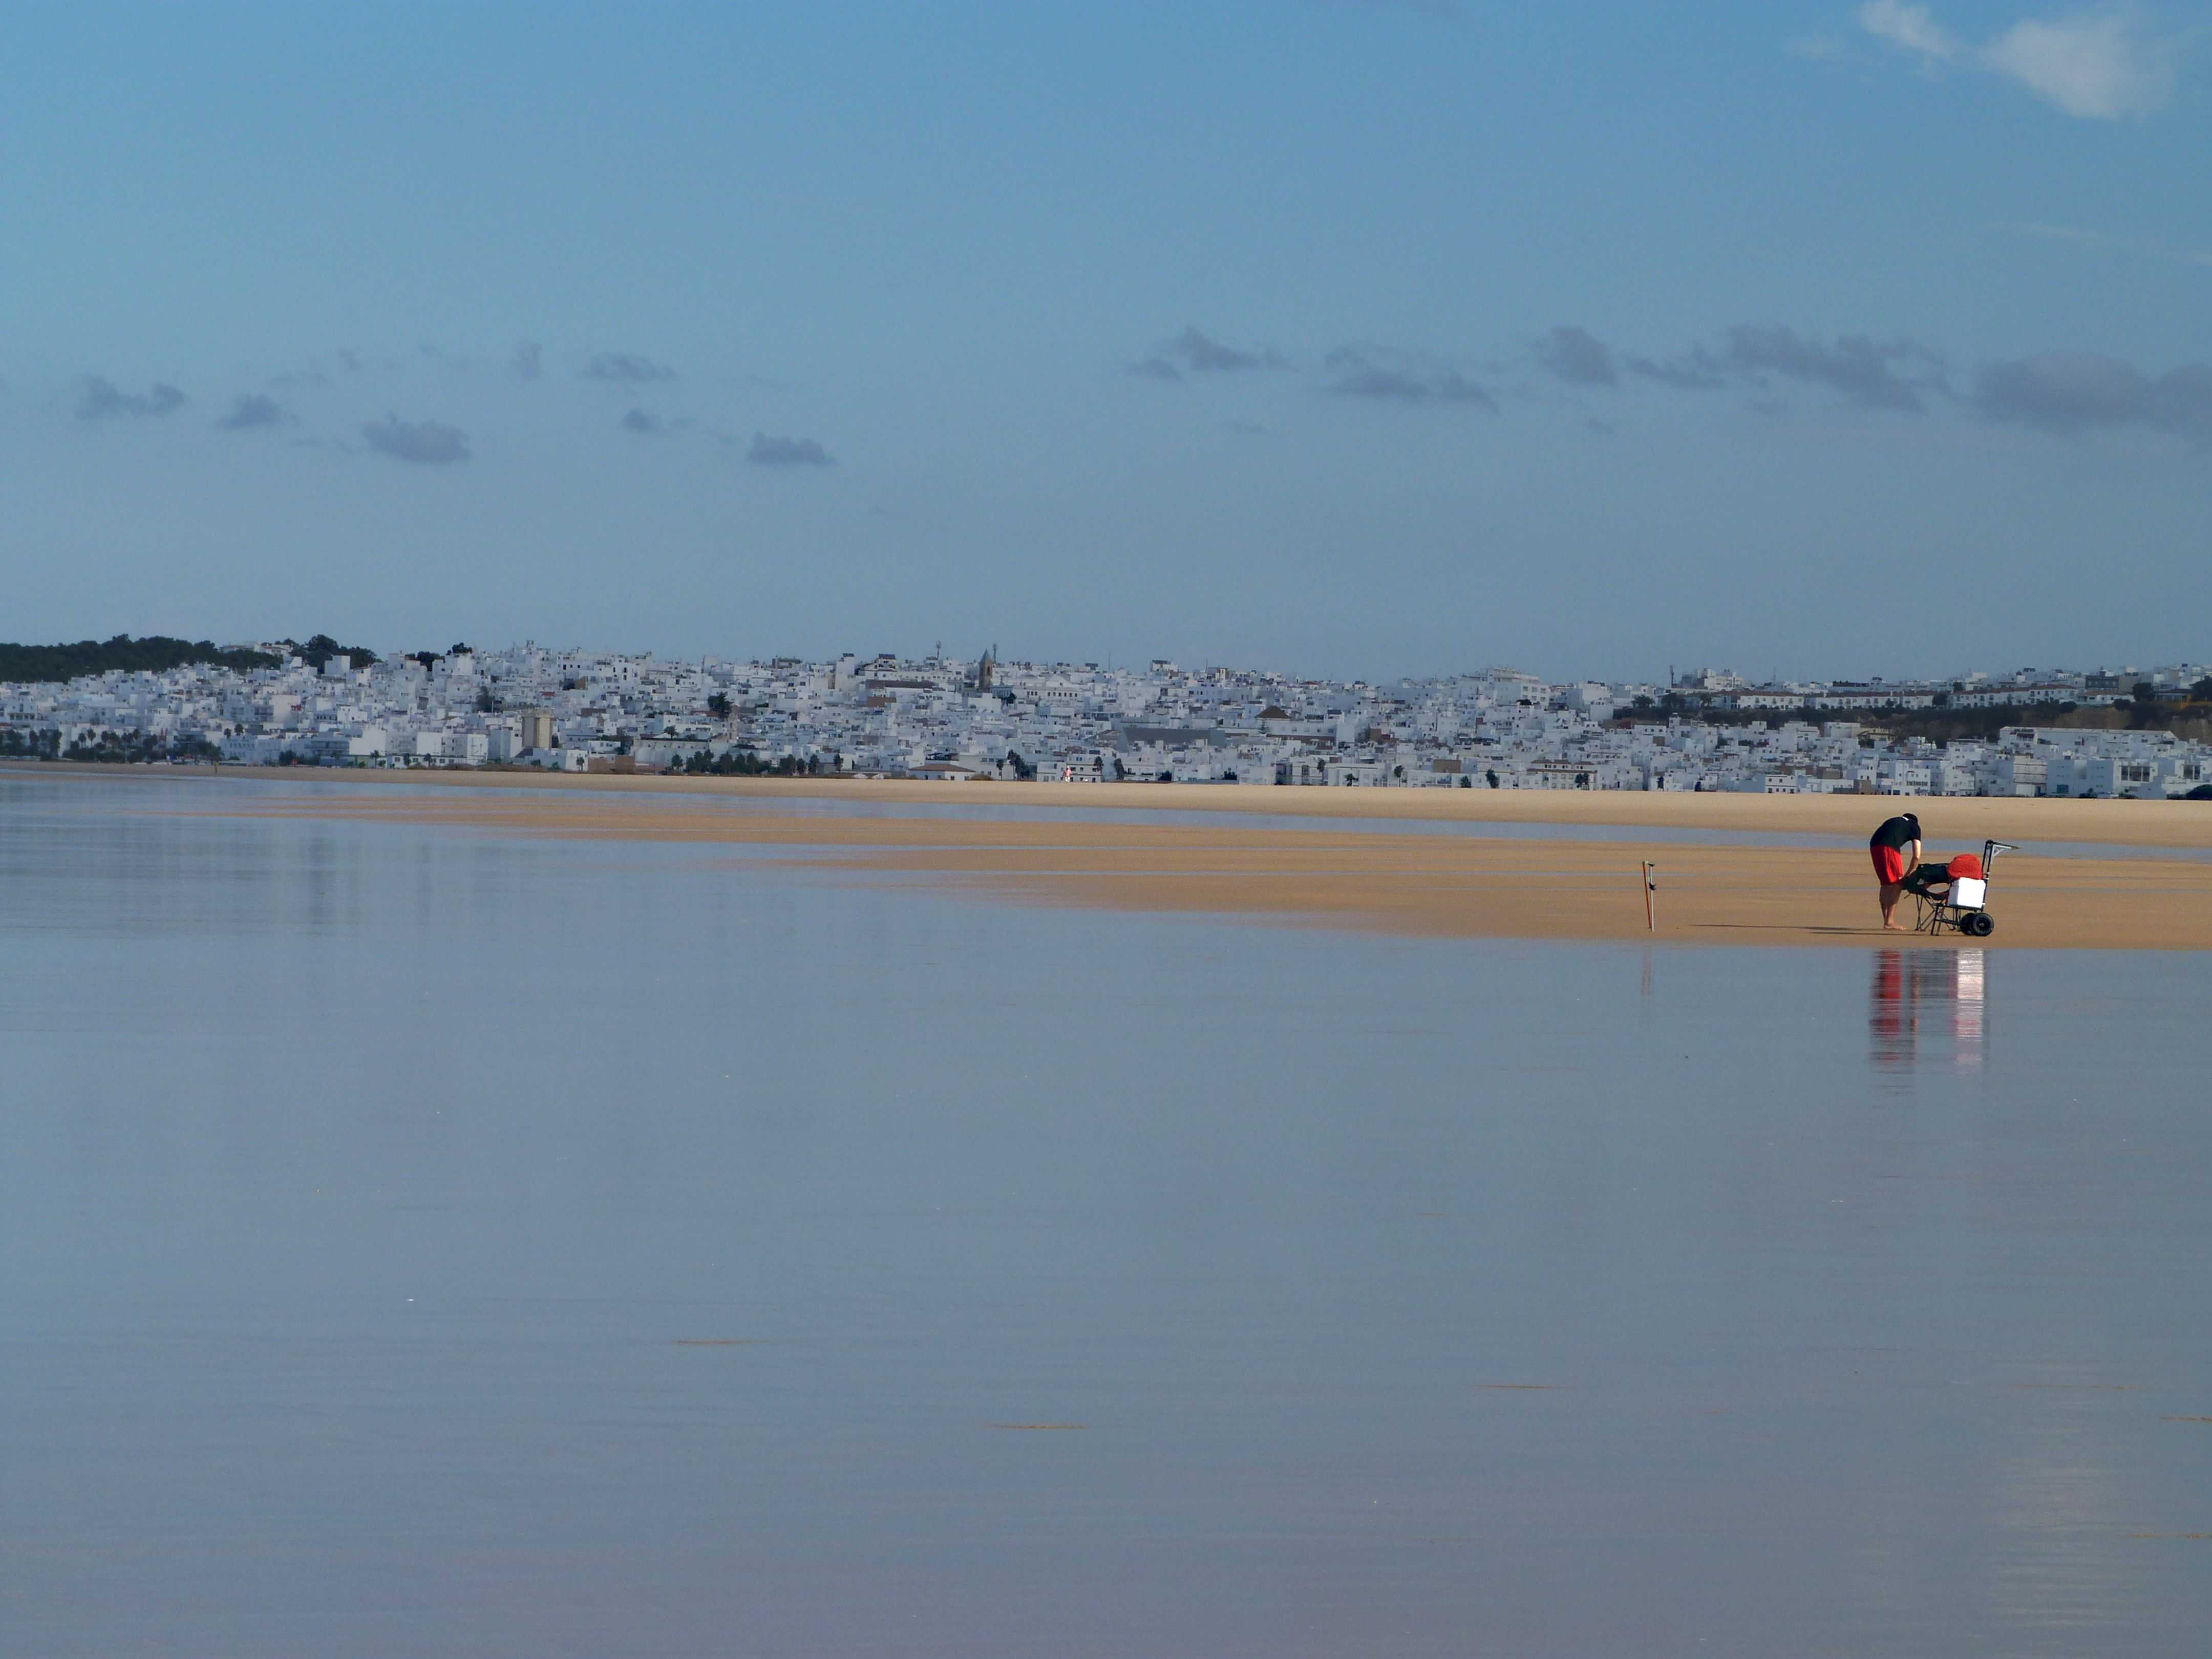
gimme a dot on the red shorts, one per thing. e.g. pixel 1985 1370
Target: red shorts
pixel 1888 865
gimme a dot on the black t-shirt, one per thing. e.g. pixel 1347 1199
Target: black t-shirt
pixel 1897 832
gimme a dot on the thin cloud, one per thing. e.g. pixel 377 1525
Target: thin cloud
pixel 2099 241
pixel 1895 374
pixel 2074 233
pixel 626 370
pixel 788 452
pixel 2095 66
pixel 642 421
pixel 1696 370
pixel 2071 392
pixel 250 411
pixel 1913 28
pixel 99 398
pixel 1577 356
pixel 1863 370
pixel 528 361
pixel 2092 67
pixel 426 443
pixel 1400 377
pixel 1195 353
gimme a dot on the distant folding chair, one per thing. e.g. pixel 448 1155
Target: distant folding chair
pixel 1956 895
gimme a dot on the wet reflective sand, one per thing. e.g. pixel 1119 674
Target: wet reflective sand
pixel 1966 819
pixel 1461 885
pixel 447 1244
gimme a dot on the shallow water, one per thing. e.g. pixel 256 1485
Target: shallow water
pixel 432 1242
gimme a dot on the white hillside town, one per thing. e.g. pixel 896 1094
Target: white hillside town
pixel 2102 733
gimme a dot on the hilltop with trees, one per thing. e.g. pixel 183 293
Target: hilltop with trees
pixel 155 653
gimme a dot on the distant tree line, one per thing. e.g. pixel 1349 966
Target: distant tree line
pixel 154 655
pixel 321 648
pixel 747 763
pixel 30 746
pixel 141 748
pixel 138 748
pixel 1943 724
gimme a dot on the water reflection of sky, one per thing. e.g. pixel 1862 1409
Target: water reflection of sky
pixel 438 1243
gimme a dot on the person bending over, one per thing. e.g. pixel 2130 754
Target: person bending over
pixel 1896 849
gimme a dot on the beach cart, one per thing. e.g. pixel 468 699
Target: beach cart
pixel 1956 895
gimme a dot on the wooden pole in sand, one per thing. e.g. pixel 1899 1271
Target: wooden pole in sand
pixel 1650 914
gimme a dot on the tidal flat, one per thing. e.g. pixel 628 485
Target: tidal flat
pixel 1741 871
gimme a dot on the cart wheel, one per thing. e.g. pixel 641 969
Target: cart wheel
pixel 1981 924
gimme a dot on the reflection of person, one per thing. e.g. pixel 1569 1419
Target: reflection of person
pixel 1896 849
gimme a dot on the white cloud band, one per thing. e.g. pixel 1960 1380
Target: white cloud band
pixel 2094 65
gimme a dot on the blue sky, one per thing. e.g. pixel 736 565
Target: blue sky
pixel 1359 338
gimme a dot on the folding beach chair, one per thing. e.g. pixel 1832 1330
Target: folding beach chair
pixel 1957 895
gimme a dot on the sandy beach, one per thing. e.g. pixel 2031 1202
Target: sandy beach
pixel 1337 874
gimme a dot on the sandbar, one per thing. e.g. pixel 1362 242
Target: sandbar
pixel 1339 875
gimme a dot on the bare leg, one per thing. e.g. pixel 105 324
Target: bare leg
pixel 1891 892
